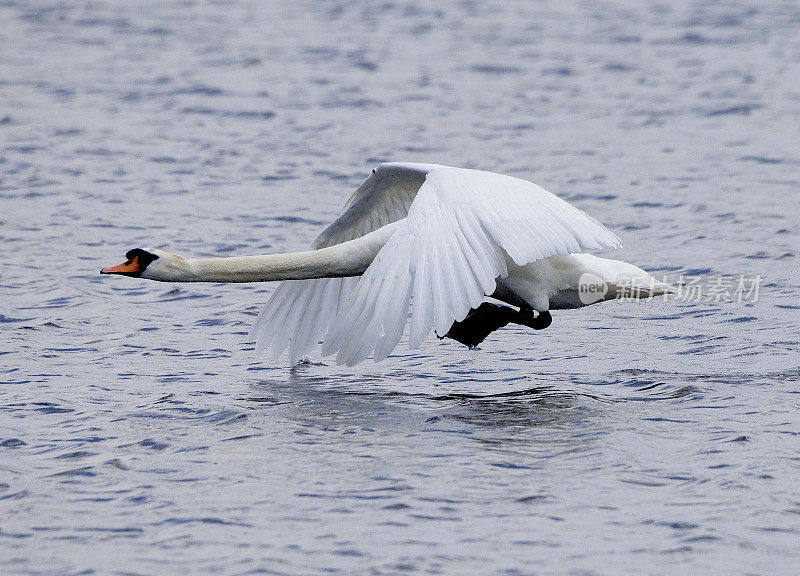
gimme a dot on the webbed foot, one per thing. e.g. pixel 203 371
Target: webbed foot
pixel 488 317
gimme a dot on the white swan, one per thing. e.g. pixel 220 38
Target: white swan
pixel 424 238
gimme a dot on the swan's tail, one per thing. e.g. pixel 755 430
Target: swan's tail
pixel 639 287
pixel 604 279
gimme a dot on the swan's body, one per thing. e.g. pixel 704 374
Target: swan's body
pixel 424 238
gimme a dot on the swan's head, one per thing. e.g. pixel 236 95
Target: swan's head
pixel 152 264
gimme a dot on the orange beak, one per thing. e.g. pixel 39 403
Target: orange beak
pixel 129 267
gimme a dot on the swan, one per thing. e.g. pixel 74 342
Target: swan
pixel 436 244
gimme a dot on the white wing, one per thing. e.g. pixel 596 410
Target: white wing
pixel 300 311
pixel 445 256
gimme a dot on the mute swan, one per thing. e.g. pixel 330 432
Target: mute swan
pixel 424 238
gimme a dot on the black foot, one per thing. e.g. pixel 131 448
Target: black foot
pixel 488 317
pixel 526 318
pixel 479 323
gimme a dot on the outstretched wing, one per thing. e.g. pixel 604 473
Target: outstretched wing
pixel 300 311
pixel 381 199
pixel 445 256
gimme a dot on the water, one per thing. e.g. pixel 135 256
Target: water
pixel 140 434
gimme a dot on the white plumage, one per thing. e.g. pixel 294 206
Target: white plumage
pixel 458 232
pixel 423 241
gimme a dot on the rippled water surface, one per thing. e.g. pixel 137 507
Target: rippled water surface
pixel 141 434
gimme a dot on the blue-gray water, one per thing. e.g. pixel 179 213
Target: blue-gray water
pixel 140 434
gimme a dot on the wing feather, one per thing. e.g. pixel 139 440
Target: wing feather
pixel 447 254
pixel 299 312
pixel 422 302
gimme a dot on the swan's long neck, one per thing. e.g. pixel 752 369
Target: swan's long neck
pixel 347 259
pixel 325 263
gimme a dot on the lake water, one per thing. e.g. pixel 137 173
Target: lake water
pixel 141 434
